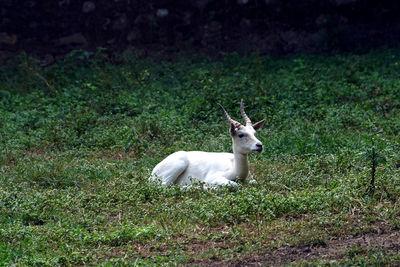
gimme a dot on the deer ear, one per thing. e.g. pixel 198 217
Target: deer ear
pixel 232 130
pixel 258 125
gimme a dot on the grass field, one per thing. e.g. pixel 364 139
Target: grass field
pixel 79 139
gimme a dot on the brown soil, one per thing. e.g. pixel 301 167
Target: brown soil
pixel 385 238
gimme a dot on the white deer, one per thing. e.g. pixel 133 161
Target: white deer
pixel 215 168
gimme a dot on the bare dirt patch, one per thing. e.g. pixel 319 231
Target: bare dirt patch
pixel 115 154
pixel 34 153
pixel 384 238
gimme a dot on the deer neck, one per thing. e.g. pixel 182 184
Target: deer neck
pixel 241 165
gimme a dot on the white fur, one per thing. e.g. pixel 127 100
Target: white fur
pixel 214 168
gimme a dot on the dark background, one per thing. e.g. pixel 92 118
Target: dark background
pixel 48 29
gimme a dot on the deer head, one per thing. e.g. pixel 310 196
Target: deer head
pixel 243 136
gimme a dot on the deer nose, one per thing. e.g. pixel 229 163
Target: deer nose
pixel 259 147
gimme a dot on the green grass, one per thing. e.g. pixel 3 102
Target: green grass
pixel 78 141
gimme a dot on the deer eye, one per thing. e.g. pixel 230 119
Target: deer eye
pixel 240 135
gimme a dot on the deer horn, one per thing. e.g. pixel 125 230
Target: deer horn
pixel 245 118
pixel 232 122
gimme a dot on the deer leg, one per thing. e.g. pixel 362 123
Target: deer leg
pixel 168 170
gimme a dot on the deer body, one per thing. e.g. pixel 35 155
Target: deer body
pixel 215 168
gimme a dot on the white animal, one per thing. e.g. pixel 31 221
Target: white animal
pixel 215 168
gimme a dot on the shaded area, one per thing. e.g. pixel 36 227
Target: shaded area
pixel 50 28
